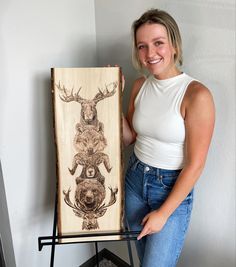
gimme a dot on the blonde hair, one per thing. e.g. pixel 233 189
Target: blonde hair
pixel 157 16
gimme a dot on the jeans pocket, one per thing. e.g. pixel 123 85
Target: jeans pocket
pixel 189 198
pixel 186 206
pixel 168 181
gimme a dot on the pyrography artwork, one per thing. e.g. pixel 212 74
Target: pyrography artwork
pixel 88 139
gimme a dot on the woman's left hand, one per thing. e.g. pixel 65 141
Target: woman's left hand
pixel 153 222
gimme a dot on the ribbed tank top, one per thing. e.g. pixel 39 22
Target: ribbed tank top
pixel 158 122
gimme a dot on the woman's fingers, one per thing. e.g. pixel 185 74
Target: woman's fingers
pixel 122 77
pixel 123 82
pixel 144 232
pixel 145 219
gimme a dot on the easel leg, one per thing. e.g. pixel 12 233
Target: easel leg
pixel 54 234
pixel 97 258
pixel 129 247
pixel 130 253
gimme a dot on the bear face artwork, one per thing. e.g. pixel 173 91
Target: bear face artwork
pixel 88 204
pixel 89 143
pixel 90 194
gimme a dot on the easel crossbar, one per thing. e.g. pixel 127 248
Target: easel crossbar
pixel 49 240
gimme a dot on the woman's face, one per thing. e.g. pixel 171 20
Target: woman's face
pixel 155 51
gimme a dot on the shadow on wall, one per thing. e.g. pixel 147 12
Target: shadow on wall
pixel 115 51
pixel 44 158
pixel 6 250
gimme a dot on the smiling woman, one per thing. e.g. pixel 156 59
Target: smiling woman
pixel 155 50
pixel 170 119
pixel 165 32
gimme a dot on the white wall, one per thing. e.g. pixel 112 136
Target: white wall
pixel 208 31
pixel 38 35
pixel 35 36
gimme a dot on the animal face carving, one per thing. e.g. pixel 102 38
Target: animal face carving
pixel 89 194
pixel 85 209
pixel 90 221
pixel 88 112
pixel 90 142
pixel 88 115
pixel 90 171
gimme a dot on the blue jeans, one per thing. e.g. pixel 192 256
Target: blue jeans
pixel 146 188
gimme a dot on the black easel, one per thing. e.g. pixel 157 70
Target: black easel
pixel 53 240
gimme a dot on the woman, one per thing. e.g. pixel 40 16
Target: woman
pixel 171 119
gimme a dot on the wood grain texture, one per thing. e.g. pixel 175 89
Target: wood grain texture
pixel 87 122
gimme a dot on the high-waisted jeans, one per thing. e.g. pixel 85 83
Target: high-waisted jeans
pixel 146 188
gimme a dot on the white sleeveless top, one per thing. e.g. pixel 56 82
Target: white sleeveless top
pixel 158 122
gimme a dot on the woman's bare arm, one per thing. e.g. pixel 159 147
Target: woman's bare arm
pixel 129 135
pixel 199 125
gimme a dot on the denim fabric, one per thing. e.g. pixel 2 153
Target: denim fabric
pixel 146 188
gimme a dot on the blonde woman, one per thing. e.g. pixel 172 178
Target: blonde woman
pixel 170 119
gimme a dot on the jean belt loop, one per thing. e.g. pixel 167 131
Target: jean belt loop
pixel 157 172
pixel 136 164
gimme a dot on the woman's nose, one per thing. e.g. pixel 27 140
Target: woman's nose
pixel 150 51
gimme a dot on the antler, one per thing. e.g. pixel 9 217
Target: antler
pixel 112 199
pixel 67 198
pixel 69 97
pixel 77 210
pixel 102 95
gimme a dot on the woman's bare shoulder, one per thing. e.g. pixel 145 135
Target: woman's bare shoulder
pixel 198 93
pixel 137 86
pixel 197 90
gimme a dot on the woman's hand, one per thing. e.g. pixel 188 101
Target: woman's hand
pixel 122 77
pixel 153 222
pixel 122 82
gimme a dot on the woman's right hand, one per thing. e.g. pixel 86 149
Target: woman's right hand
pixel 122 77
pixel 122 82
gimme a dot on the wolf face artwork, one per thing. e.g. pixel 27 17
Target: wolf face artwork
pixel 89 145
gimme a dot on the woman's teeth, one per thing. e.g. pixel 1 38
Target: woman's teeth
pixel 154 61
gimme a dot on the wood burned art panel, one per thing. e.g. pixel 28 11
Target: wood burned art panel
pixel 87 113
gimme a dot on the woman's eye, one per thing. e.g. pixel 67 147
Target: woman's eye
pixel 140 47
pixel 158 43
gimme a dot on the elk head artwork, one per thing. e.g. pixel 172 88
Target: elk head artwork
pixel 88 114
pixel 89 143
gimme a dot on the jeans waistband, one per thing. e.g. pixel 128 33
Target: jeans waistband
pixel 136 163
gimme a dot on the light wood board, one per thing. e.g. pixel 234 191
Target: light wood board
pixel 87 122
